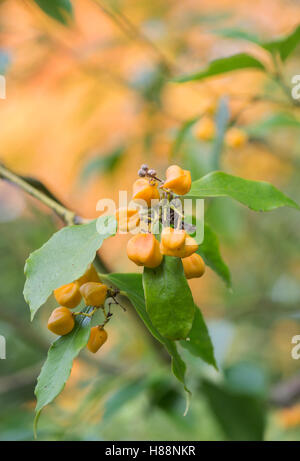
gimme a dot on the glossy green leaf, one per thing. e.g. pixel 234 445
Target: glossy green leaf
pixel 169 301
pixel 210 252
pixel 63 259
pixel 199 342
pixel 222 66
pixel 284 45
pixel 132 285
pixel 102 164
pixel 57 368
pixel 241 415
pixel 257 195
pixel 61 10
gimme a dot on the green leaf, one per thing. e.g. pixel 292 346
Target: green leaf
pixel 132 285
pixel 169 301
pixel 274 121
pixel 210 252
pixel 223 65
pixel 57 368
pixel 199 343
pixel 238 34
pixel 241 416
pixel 284 45
pixel 63 259
pixel 102 164
pixel 222 118
pixel 257 195
pixel 61 10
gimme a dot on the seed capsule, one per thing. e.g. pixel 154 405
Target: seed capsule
pixel 177 243
pixel 205 129
pixel 94 293
pixel 90 275
pixel 178 180
pixel 143 250
pixel 235 138
pixel 193 266
pixel 97 338
pixel 128 219
pixel 68 295
pixel 61 321
pixel 143 190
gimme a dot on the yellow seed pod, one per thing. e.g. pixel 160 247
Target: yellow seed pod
pixel 128 219
pixel 174 239
pixel 178 180
pixel 193 266
pixel 143 250
pixel 97 338
pixel 68 295
pixel 61 321
pixel 235 137
pixel 90 275
pixel 210 106
pixel 177 243
pixel 191 246
pixel 94 293
pixel 205 129
pixel 143 190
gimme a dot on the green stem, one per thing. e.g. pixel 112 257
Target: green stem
pixel 68 216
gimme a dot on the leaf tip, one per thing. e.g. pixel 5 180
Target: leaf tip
pixel 35 424
pixel 188 395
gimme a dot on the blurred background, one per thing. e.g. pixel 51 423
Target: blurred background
pixel 88 100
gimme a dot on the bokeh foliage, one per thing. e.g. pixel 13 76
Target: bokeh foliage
pixel 97 96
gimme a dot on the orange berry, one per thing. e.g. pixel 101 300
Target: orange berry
pixel 128 219
pixel 205 129
pixel 68 295
pixel 143 190
pixel 210 106
pixel 178 180
pixel 235 137
pixel 174 239
pixel 61 321
pixel 90 275
pixel 143 250
pixel 94 293
pixel 97 338
pixel 193 266
pixel 177 243
pixel 191 246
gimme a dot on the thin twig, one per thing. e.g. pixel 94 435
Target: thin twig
pixel 134 33
pixel 37 190
pixel 68 216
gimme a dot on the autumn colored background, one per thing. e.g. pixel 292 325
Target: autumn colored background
pixel 86 104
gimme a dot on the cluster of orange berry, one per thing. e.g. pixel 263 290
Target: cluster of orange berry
pixel 94 293
pixel 205 130
pixel 143 248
